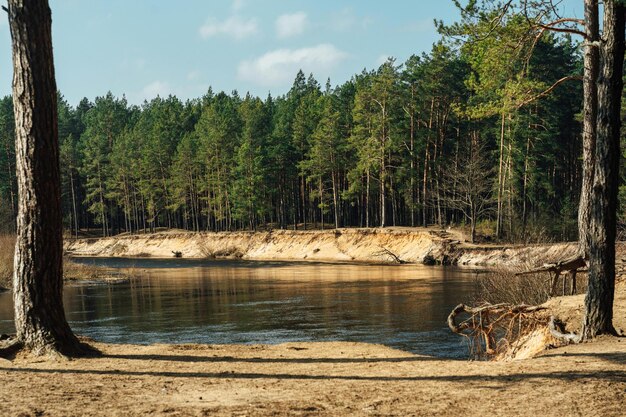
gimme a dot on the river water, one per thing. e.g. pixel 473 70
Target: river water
pixel 193 301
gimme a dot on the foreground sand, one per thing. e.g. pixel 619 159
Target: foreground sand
pixel 314 379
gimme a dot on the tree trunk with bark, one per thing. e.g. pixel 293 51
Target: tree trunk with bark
pixel 601 288
pixel 38 283
pixel 590 112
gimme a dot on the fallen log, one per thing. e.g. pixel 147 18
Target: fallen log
pixel 566 265
pixel 569 265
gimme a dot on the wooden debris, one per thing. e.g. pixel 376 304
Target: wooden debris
pixel 557 330
pixel 486 323
pixel 570 265
pixel 387 252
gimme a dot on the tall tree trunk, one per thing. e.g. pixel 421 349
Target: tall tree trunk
pixel 600 293
pixel 426 160
pixel 334 176
pixel 500 181
pixel 367 200
pixel 38 281
pixel 76 229
pixel 10 172
pixel 590 111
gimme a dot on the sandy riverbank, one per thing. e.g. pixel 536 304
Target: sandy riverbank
pixel 412 245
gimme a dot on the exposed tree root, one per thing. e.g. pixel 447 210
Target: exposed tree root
pixel 10 347
pixel 492 328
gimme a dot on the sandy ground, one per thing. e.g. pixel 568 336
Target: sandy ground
pixel 331 379
pixel 314 379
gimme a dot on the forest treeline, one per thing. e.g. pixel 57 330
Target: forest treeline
pixel 483 129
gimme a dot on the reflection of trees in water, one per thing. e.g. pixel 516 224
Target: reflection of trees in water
pixel 312 301
pixel 318 296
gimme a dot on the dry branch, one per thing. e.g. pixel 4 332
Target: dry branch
pixel 493 324
pixel 557 330
pixel 387 252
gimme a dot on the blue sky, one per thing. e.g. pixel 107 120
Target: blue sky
pixel 142 48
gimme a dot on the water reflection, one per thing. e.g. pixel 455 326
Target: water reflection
pixel 172 301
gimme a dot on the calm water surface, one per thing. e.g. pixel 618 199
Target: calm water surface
pixel 191 301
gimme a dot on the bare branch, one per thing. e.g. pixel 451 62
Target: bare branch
pixel 562 29
pixel 549 89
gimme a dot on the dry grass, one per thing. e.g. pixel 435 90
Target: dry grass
pixel 72 271
pixel 503 286
pixel 226 252
pixel 7 247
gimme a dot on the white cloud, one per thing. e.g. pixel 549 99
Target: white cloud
pixel 193 75
pixel 238 5
pixel 156 88
pixel 289 25
pixel 234 26
pixel 345 20
pixel 278 67
pixel 382 59
pixel 134 64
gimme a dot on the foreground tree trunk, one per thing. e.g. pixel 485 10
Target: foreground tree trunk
pixel 601 289
pixel 590 112
pixel 39 317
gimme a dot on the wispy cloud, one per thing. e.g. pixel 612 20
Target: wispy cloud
pixel 193 75
pixel 278 67
pixel 346 20
pixel 289 25
pixel 155 88
pixel 238 5
pixel 424 25
pixel 382 59
pixel 137 64
pixel 235 27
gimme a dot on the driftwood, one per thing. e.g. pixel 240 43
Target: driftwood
pixel 570 265
pixel 387 252
pixel 177 254
pixel 487 322
pixel 557 330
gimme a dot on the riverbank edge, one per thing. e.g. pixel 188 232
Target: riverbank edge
pixel 428 246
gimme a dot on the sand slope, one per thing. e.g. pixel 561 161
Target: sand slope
pixel 340 245
pixel 413 245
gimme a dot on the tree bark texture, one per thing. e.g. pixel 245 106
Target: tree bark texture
pixel 601 289
pixel 590 111
pixel 38 285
